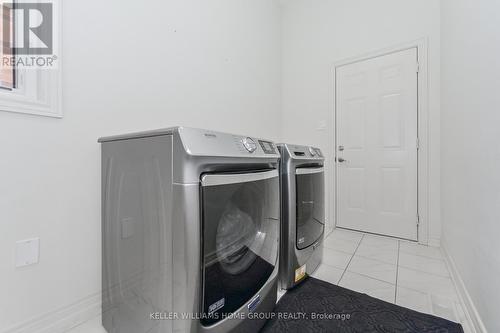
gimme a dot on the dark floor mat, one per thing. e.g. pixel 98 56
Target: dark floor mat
pixel 347 311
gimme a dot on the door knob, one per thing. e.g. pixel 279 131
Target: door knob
pixel 341 160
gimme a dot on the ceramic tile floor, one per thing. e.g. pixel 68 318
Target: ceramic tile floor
pixel 91 326
pixel 396 271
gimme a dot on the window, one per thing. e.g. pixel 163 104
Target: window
pixel 29 64
pixel 7 74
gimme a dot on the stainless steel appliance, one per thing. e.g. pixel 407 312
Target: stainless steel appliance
pixel 302 212
pixel 190 231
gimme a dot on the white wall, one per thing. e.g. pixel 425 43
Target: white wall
pixel 470 129
pixel 218 65
pixel 128 66
pixel 319 33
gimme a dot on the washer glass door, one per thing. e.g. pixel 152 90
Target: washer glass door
pixel 310 213
pixel 240 239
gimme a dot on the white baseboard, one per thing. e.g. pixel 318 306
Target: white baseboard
pixel 328 231
pixel 470 309
pixel 61 320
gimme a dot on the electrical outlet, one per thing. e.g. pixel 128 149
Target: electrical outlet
pixel 27 252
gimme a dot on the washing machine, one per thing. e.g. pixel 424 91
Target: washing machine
pixel 302 212
pixel 190 231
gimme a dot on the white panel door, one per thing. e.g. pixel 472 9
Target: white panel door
pixel 377 145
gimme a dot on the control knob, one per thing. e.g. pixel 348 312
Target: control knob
pixel 249 145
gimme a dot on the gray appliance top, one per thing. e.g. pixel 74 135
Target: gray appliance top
pixel 200 142
pixel 301 152
pixel 136 135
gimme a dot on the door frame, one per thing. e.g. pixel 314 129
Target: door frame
pixel 422 132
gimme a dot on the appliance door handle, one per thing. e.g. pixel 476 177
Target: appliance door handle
pixel 236 178
pixel 306 171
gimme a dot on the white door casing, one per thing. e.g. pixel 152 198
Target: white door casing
pixel 377 122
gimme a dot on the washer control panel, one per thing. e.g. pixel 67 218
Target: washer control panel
pixel 268 147
pixel 210 143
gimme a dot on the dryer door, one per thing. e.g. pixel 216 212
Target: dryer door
pixel 240 239
pixel 310 211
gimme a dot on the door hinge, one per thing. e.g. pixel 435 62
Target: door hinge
pixel 418 220
pixel 418 67
pixel 418 143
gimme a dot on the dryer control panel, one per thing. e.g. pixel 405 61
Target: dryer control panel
pixel 303 152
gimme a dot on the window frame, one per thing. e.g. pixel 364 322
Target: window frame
pixel 38 91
